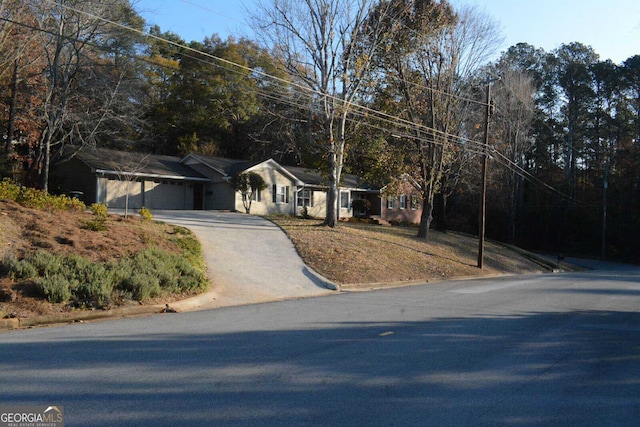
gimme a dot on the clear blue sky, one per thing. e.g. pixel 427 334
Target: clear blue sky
pixel 611 27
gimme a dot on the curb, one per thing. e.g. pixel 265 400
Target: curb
pixel 78 317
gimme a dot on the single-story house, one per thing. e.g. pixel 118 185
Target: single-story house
pixel 198 182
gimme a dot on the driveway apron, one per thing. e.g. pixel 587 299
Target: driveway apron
pixel 249 260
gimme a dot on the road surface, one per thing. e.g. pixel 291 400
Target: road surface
pixel 557 349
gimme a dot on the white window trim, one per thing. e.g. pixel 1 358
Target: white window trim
pixel 415 206
pixel 308 197
pixel 348 204
pixel 281 194
pixel 391 202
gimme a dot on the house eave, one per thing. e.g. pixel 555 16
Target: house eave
pixel 150 175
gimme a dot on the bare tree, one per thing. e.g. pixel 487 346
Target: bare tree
pixel 318 42
pixel 429 58
pixel 128 168
pixel 511 130
pixel 75 36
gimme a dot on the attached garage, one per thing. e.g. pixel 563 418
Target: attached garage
pixel 118 178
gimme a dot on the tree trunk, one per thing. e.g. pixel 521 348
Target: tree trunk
pixel 47 162
pixel 12 110
pixel 425 218
pixel 332 193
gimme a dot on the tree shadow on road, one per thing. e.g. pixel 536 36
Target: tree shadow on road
pixel 580 368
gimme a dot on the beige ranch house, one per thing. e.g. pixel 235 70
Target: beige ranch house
pixel 119 178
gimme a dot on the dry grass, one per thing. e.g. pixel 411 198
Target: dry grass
pixel 356 253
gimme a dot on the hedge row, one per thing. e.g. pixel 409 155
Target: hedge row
pixel 83 283
pixel 37 199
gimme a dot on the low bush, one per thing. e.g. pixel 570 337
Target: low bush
pixel 9 190
pixel 18 270
pixel 100 215
pixel 145 214
pixel 99 210
pixel 72 279
pixel 55 288
pixel 37 199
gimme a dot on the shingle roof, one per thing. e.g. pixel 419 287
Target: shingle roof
pixel 229 166
pixel 313 177
pixel 141 164
pixel 154 165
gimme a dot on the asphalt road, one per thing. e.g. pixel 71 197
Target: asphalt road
pixel 557 350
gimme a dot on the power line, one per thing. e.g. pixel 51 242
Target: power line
pixel 359 110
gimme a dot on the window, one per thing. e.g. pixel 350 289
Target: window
pixel 403 201
pixel 256 196
pixel 391 203
pixel 414 202
pixel 305 198
pixel 344 199
pixel 280 193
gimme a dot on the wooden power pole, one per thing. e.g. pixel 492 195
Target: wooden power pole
pixel 483 196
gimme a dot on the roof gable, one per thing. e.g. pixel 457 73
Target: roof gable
pixel 230 167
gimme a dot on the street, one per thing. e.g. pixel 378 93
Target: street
pixel 556 349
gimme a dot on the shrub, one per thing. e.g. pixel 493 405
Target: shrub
pixel 141 286
pixel 37 199
pixel 192 251
pixel 54 288
pixel 46 263
pixel 9 190
pixel 96 225
pixel 360 204
pixel 145 213
pixel 99 222
pixel 148 274
pixel 99 210
pixel 74 204
pixel 18 270
pixel 97 291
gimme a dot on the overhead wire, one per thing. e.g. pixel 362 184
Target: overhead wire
pixel 472 146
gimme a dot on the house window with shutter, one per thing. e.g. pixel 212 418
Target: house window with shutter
pixel 414 202
pixel 403 201
pixel 280 193
pixel 391 203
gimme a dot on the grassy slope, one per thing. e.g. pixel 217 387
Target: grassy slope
pixel 366 253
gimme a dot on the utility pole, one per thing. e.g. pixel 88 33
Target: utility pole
pixel 605 186
pixel 483 197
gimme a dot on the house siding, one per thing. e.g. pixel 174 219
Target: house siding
pixel 319 208
pixel 400 214
pixel 219 196
pixel 266 205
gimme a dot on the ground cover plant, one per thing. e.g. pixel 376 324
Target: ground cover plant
pixel 57 255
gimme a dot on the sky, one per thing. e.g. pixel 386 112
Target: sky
pixel 611 27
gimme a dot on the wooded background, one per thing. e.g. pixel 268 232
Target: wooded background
pixel 379 89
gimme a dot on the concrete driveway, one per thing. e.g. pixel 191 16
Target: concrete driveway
pixel 249 260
